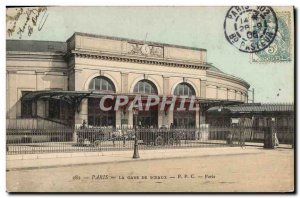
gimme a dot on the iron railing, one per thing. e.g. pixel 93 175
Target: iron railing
pixel 27 141
pixel 82 139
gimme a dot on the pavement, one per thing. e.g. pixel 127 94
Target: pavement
pixel 51 160
pixel 222 169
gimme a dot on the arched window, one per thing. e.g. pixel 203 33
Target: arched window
pixel 101 83
pixel 184 89
pixel 145 86
pixel 96 116
pixel 184 118
pixel 146 118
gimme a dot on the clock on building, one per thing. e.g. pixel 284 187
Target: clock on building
pixel 145 49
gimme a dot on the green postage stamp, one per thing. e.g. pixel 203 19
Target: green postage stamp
pixel 281 49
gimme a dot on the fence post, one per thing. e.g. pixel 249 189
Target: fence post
pixel 74 135
pixel 269 134
pixel 293 139
pixel 136 149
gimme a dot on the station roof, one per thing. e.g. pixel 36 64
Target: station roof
pixel 61 47
pixel 214 68
pixel 36 46
pixel 255 108
pixel 53 46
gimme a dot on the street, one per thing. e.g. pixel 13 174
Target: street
pixel 265 171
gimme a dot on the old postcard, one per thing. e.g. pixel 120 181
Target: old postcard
pixel 150 99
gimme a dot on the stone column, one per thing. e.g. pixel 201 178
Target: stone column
pixel 118 118
pixel 80 116
pixel 83 112
pixel 203 88
pixel 170 117
pixel 202 116
pixel 166 87
pixel 77 80
pixel 12 98
pixel 204 128
pixel 165 115
pixel 197 122
pixel 124 84
pixel 160 117
pixel 197 116
pixel 39 80
pixel 129 114
pixel 40 104
pixel 166 91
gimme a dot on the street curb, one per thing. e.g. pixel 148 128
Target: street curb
pixel 124 161
pixel 103 153
pixel 77 159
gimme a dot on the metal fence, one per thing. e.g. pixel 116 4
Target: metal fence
pixel 55 140
pixel 28 141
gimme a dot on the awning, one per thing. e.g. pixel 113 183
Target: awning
pixel 46 94
pixel 255 108
pixel 75 97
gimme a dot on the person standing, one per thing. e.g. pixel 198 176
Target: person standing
pixel 276 139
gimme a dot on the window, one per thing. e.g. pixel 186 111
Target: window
pixel 184 89
pixel 145 87
pixel 26 107
pixel 184 118
pixel 146 118
pixel 97 117
pixel 54 109
pixel 101 83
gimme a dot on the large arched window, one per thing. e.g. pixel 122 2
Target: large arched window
pixel 184 89
pixel 96 116
pixel 145 87
pixel 184 118
pixel 146 118
pixel 101 83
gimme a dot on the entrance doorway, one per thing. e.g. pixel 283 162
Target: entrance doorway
pixel 98 117
pixel 147 119
pixel 184 119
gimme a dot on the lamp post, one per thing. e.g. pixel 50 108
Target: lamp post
pixel 136 149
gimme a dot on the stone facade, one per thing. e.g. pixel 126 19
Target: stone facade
pixel 71 65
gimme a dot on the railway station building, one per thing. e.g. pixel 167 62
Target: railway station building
pixel 60 83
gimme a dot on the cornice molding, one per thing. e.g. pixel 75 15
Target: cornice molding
pixel 140 60
pixel 228 78
pixel 35 56
pixel 132 40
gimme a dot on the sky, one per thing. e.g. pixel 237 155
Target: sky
pixel 200 27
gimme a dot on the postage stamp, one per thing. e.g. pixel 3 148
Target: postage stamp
pixel 281 48
pixel 250 28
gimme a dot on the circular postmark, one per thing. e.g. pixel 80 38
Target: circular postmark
pixel 250 28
